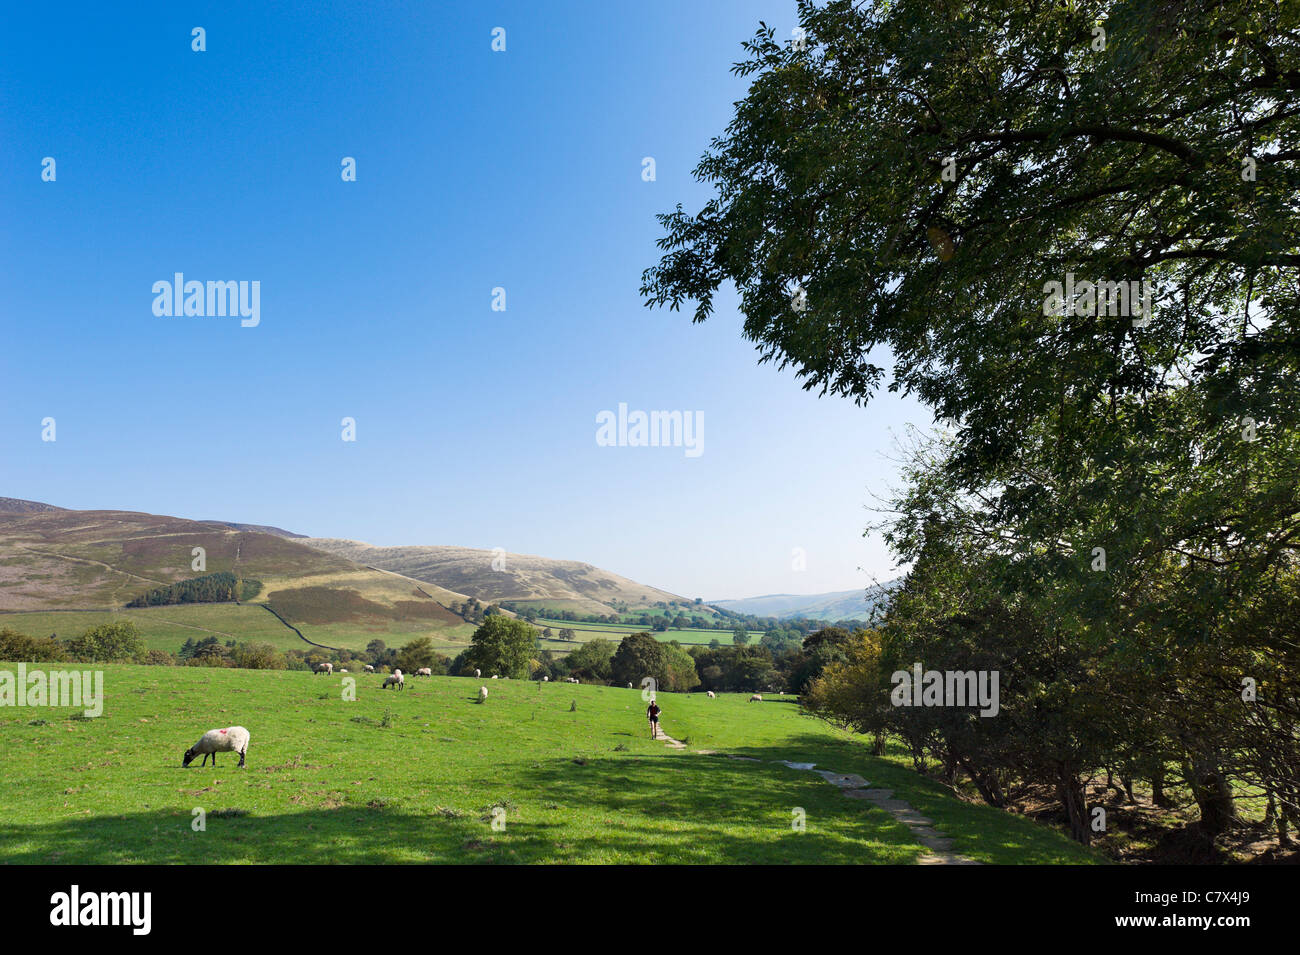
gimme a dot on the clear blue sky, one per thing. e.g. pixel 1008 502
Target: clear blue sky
pixel 475 170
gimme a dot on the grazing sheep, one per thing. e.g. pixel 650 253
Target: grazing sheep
pixel 756 698
pixel 712 695
pixel 494 676
pixel 324 668
pixel 477 673
pixel 546 679
pixel 396 680
pixel 369 668
pixel 629 686
pixel 424 671
pixel 344 670
pixel 482 694
pixel 232 739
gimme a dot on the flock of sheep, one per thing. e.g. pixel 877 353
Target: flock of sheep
pixel 234 739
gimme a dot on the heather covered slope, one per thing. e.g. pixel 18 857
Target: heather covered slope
pixel 520 578
pixel 53 559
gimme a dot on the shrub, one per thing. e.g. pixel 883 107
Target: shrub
pixel 20 648
pixel 258 656
pixel 108 643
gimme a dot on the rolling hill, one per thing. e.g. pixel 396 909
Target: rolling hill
pixel 836 605
pixel 338 593
pixel 523 579
pixel 57 560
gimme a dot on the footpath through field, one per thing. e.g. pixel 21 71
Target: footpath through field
pixel 938 845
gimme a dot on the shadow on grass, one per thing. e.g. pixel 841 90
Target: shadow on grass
pixel 660 808
pixel 980 831
pixel 621 809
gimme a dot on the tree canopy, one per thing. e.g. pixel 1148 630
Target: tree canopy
pixel 1071 230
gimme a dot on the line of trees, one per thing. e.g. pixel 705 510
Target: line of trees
pixel 1110 514
pixel 222 587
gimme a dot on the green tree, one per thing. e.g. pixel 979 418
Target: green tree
pixel 593 659
pixel 502 646
pixel 639 655
pixel 19 648
pixel 258 656
pixel 416 655
pixel 108 643
pixel 680 667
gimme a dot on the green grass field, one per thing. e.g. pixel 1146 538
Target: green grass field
pixel 167 628
pixel 617 631
pixel 414 777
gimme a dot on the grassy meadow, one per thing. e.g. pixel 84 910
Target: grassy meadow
pixel 414 776
pixel 584 632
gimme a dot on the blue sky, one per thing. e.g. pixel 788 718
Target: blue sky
pixel 475 170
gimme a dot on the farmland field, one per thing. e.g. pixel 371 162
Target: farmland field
pixel 617 631
pixel 415 776
pixel 166 628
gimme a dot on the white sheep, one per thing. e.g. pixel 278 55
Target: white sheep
pixel 546 679
pixel 629 686
pixel 712 695
pixel 396 680
pixel 343 670
pixel 232 739
pixel 424 671
pixel 370 668
pixel 756 698
pixel 477 673
pixel 324 668
pixel 494 676
pixel 482 694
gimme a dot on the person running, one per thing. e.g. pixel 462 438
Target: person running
pixel 652 713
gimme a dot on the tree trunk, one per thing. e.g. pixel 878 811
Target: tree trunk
pixel 1070 791
pixel 1128 787
pixel 1212 794
pixel 1158 796
pixel 987 784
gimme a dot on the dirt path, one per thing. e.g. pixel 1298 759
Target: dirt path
pixel 669 741
pixel 938 845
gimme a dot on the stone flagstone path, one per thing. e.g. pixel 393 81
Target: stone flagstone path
pixel 938 844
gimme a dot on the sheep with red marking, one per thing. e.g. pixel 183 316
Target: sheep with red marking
pixel 232 739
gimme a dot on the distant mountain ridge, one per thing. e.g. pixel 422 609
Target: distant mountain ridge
pixel 835 605
pixel 496 576
pixel 14 505
pixel 55 558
